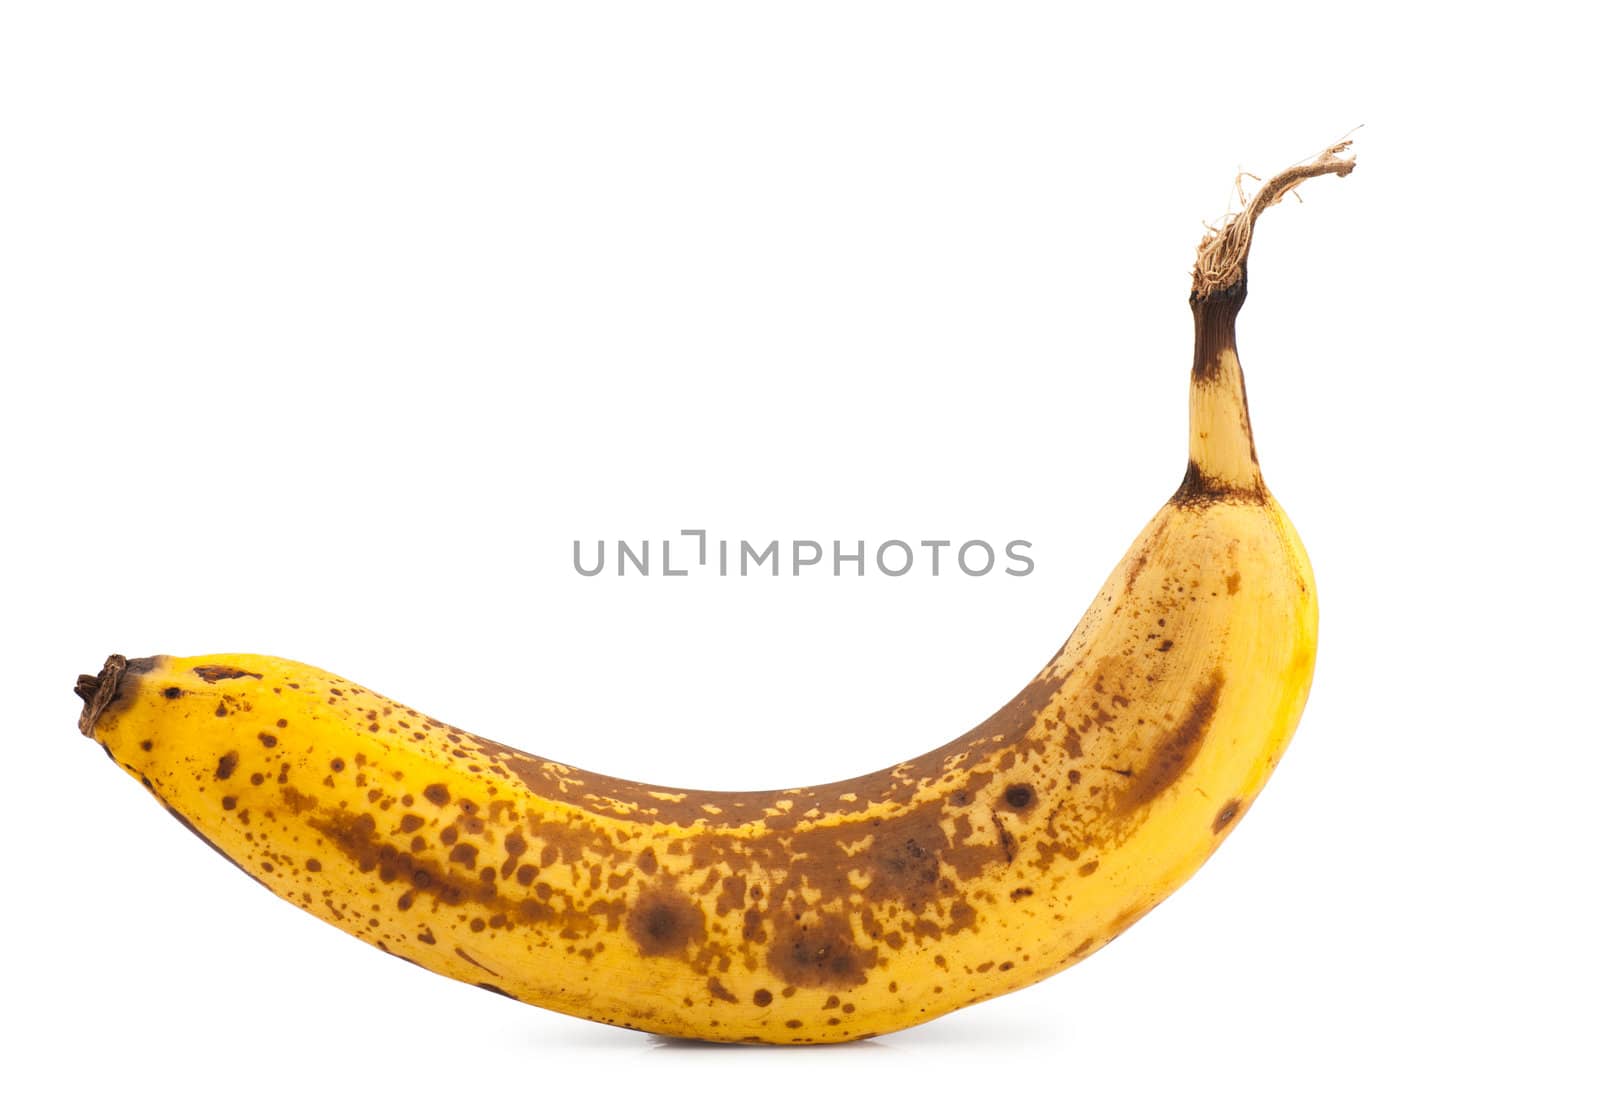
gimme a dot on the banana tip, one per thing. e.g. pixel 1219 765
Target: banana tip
pixel 98 691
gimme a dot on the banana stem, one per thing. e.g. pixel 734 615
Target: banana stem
pixel 1222 450
pixel 1220 264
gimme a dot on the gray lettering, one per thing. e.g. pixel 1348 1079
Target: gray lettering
pixel 799 563
pixel 625 554
pixel 894 558
pixel 859 557
pixel 905 568
pixel 961 558
pixel 577 561
pixel 666 561
pixel 1011 551
pixel 745 551
pixel 701 534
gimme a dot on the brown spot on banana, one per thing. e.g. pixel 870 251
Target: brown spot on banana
pixel 465 955
pixel 666 922
pixel 211 673
pixel 1230 810
pixel 1019 797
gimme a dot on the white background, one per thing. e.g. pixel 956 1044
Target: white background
pixel 328 327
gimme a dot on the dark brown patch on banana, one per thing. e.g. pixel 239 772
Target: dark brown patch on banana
pixel 1200 488
pixel 665 922
pixel 211 673
pixel 1019 796
pixel 1214 318
pixel 414 876
pixel 821 953
pixel 1175 752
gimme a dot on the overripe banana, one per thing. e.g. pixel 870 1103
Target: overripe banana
pixel 807 915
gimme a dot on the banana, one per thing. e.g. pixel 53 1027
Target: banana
pixel 812 914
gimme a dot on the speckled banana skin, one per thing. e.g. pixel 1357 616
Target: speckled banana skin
pixel 815 914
